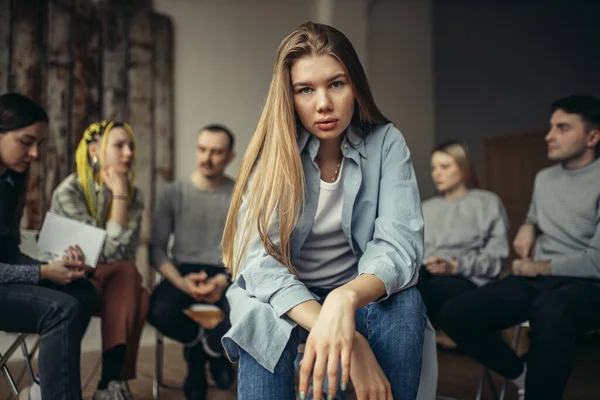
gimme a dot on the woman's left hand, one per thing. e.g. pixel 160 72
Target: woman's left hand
pixel 441 266
pixel 330 340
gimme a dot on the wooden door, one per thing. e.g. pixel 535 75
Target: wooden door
pixel 512 161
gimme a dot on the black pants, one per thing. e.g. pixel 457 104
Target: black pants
pixel 438 289
pixel 60 315
pixel 559 310
pixel 167 304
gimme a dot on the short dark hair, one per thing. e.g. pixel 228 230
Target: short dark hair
pixel 220 128
pixel 584 105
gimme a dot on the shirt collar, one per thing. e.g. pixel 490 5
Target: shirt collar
pixel 7 177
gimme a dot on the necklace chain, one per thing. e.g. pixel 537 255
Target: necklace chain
pixel 335 173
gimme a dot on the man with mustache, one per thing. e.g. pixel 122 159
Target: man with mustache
pixel 193 211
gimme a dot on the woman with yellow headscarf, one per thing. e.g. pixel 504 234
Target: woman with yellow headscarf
pixel 102 193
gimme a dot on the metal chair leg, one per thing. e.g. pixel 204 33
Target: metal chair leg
pixel 481 386
pixel 4 360
pixel 158 353
pixel 28 357
pixel 9 379
pixel 158 370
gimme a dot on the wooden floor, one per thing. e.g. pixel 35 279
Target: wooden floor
pixel 459 375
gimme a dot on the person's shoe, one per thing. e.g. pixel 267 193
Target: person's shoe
pixel 192 391
pixel 125 391
pixel 112 392
pixel 221 370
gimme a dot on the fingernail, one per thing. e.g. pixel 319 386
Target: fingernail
pixel 302 396
pixel 344 386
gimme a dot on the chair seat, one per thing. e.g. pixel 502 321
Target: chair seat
pixel 207 315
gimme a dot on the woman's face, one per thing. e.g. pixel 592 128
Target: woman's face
pixel 119 153
pixel 445 172
pixel 19 148
pixel 323 97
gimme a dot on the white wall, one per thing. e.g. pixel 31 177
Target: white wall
pixel 224 53
pixel 401 75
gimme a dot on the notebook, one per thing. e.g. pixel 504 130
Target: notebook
pixel 58 233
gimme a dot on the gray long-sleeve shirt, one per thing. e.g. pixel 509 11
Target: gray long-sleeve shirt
pixel 565 209
pixel 472 229
pixel 195 217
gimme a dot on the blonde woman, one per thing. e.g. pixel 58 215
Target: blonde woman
pixel 102 193
pixel 325 235
pixel 466 230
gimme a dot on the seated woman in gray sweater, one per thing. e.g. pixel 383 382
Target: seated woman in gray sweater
pixel 466 230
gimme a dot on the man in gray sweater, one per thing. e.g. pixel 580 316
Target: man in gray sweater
pixel 193 212
pixel 556 282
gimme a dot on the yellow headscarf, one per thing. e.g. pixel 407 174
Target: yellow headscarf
pixel 87 176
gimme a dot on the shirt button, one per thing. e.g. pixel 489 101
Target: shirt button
pixel 346 146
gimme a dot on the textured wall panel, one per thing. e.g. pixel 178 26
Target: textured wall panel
pixel 58 63
pixel 114 72
pixel 86 29
pixel 5 16
pixel 26 66
pixel 140 99
pixel 163 102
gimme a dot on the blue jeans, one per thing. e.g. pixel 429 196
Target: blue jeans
pixel 394 329
pixel 60 315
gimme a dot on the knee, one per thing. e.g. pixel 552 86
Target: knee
pixel 407 302
pixel 452 314
pixel 62 310
pixel 128 273
pixel 405 308
pixel 159 313
pixel 551 313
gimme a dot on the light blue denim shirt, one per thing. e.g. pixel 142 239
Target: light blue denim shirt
pixel 381 218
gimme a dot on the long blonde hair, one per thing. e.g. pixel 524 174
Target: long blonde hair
pixel 87 173
pixel 460 153
pixel 276 190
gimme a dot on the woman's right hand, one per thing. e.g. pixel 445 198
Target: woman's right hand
pixel 116 182
pixel 368 379
pixel 62 272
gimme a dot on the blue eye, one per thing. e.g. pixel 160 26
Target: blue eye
pixel 304 90
pixel 337 84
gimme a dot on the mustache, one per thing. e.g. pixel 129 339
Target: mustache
pixel 207 164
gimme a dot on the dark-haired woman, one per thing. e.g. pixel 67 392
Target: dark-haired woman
pixel 52 299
